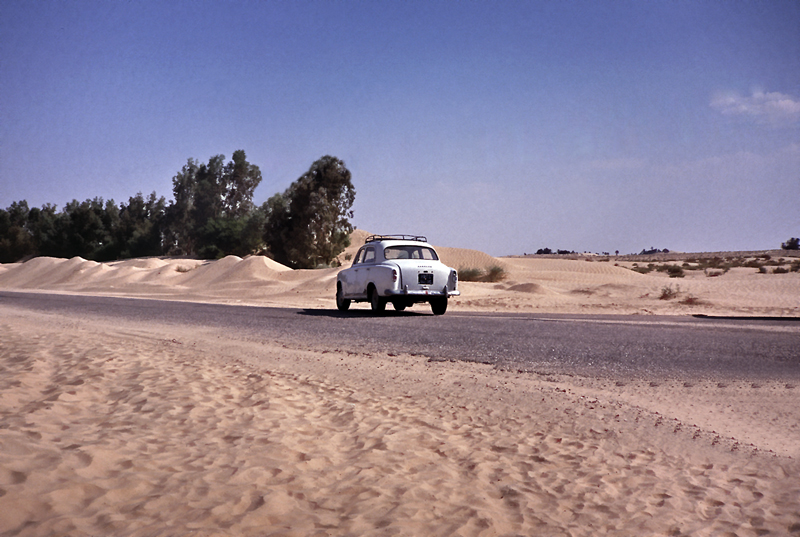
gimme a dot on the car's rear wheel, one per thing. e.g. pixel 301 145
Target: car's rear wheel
pixel 439 306
pixel 377 303
pixel 342 304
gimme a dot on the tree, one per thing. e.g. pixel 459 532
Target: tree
pixel 241 180
pixel 178 218
pixel 16 240
pixel 210 199
pixel 792 244
pixel 308 224
pixel 43 227
pixel 83 230
pixel 140 232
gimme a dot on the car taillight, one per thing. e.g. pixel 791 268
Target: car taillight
pixel 394 275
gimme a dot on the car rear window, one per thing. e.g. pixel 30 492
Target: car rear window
pixel 410 252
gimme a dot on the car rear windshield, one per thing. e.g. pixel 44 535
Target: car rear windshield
pixel 410 252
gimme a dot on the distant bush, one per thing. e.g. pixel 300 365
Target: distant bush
pixel 643 270
pixel 470 274
pixel 791 244
pixel 780 270
pixel 674 271
pixel 668 293
pixel 496 273
pixel 691 300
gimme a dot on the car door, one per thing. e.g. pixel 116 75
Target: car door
pixel 349 276
pixel 363 270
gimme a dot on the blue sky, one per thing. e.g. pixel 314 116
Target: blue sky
pixel 500 126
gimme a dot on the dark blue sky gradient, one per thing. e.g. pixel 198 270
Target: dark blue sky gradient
pixel 500 126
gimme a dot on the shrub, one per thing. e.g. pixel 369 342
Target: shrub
pixel 674 271
pixel 791 244
pixel 780 270
pixel 668 293
pixel 496 273
pixel 691 300
pixel 470 274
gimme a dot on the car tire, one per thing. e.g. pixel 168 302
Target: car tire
pixel 377 302
pixel 342 304
pixel 439 306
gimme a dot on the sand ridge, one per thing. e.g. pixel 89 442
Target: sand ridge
pixel 128 431
pixel 532 284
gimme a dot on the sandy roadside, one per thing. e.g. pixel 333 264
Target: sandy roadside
pixel 140 430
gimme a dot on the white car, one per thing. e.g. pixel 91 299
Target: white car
pixel 401 269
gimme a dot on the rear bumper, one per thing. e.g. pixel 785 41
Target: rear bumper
pixel 421 293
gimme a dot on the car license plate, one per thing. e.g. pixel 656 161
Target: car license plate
pixel 426 279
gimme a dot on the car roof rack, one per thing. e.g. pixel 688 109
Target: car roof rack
pixel 375 238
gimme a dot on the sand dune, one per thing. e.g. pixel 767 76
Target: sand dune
pixel 532 284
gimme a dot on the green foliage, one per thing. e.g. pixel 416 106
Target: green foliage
pixel 495 273
pixel 16 239
pixel 674 271
pixel 141 226
pixel 211 215
pixel 212 205
pixel 231 236
pixel 470 274
pixel 308 225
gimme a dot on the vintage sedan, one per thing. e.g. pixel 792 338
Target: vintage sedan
pixel 401 269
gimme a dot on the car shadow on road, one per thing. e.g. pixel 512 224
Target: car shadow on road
pixel 358 314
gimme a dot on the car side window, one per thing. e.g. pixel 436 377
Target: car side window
pixel 359 257
pixel 369 255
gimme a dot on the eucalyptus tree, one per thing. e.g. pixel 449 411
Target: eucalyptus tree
pixel 308 225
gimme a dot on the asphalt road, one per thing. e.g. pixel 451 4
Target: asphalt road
pixel 607 345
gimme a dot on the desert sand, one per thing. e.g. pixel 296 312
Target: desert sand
pixel 146 430
pixel 532 284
